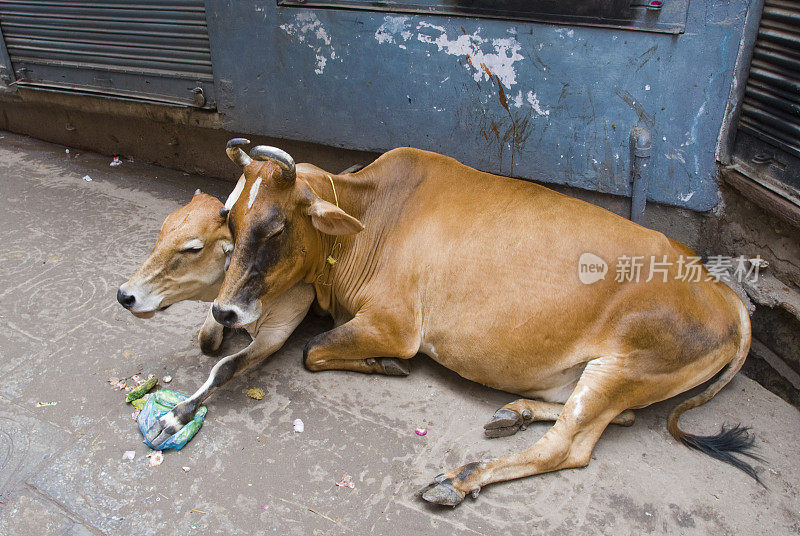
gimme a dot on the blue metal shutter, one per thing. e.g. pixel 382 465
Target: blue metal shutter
pixel 147 50
pixel 771 108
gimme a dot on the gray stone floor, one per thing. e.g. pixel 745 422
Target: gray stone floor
pixel 65 246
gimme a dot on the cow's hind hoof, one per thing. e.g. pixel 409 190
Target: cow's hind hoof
pixel 395 367
pixel 443 493
pixel 505 422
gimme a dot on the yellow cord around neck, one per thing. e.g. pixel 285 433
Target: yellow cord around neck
pixel 331 259
pixel 335 197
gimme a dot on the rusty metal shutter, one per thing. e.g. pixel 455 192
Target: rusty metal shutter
pixel 148 50
pixel 771 108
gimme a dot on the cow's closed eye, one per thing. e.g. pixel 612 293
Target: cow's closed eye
pixel 192 246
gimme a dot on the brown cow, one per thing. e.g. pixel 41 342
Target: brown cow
pixel 419 253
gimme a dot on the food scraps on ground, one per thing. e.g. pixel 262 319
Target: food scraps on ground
pixel 129 455
pixel 140 402
pixel 346 482
pixel 421 431
pixel 156 457
pixel 256 393
pixel 298 425
pixel 126 384
pixel 141 390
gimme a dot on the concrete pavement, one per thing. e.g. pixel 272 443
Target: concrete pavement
pixel 65 246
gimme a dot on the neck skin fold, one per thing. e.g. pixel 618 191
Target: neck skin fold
pixel 327 278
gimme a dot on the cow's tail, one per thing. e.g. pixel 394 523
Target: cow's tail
pixel 730 440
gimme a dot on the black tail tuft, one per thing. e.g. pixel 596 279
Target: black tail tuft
pixel 725 444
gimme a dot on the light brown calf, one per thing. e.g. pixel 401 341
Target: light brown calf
pixel 419 253
pixel 188 263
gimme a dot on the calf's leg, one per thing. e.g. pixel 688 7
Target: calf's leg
pixel 517 415
pixel 210 336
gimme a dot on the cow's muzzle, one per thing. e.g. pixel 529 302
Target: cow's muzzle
pixel 226 317
pixel 125 299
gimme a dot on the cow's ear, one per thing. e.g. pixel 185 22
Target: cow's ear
pixel 330 219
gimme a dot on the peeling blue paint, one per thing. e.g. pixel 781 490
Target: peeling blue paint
pixel 538 101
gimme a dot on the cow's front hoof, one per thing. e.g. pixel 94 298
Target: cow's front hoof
pixel 505 422
pixel 164 428
pixel 395 367
pixel 443 493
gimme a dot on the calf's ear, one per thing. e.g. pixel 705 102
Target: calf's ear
pixel 330 219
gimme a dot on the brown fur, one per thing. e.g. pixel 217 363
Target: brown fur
pixel 480 272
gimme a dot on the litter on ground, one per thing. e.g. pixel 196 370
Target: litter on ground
pixel 87 178
pixel 129 455
pixel 156 458
pixel 142 389
pixel 186 469
pixel 158 404
pixel 298 425
pixel 256 393
pixel 167 379
pixel 140 402
pixel 346 482
pixel 421 431
pixel 115 162
pixel 43 404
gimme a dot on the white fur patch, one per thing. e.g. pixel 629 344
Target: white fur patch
pixel 171 420
pixel 237 191
pixel 253 192
pixel 228 249
pixel 427 348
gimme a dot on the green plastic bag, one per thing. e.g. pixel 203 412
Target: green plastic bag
pixel 158 404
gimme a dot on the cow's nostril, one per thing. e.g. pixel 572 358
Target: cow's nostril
pixel 226 317
pixel 125 299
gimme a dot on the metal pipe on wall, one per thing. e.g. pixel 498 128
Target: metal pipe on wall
pixel 641 149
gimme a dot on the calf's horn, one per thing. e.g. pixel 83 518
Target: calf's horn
pixel 236 154
pixel 282 158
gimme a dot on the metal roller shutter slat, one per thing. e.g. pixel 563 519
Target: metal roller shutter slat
pixel 771 107
pixel 63 42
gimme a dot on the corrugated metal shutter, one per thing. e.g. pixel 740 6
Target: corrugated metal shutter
pixel 771 108
pixel 152 50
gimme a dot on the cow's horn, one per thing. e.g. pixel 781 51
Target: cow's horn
pixel 235 153
pixel 273 154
